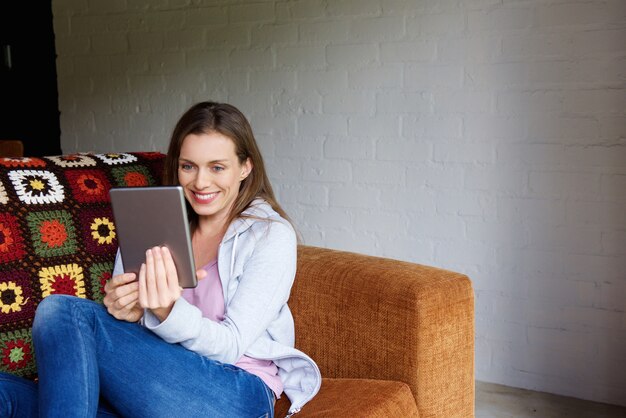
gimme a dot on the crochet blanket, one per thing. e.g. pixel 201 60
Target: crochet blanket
pixel 57 235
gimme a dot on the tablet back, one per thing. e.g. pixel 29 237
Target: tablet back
pixel 153 216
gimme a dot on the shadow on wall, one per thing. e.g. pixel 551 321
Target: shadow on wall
pixel 554 304
pixel 568 265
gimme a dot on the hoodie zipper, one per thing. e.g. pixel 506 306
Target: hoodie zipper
pixel 232 254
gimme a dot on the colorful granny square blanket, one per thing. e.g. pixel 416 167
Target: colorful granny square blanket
pixel 57 235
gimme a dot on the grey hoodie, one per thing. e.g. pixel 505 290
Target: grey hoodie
pixel 257 265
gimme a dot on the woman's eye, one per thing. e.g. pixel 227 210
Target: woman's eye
pixel 218 168
pixel 185 167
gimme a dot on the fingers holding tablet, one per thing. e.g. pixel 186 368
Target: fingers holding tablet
pixel 158 282
pixel 170 271
pixel 122 296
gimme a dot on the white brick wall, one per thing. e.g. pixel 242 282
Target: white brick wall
pixel 484 136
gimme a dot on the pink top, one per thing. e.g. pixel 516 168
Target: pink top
pixel 209 298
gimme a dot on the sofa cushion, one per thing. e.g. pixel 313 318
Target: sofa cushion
pixel 356 398
pixel 57 235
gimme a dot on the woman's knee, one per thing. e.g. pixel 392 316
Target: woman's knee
pixel 54 310
pixel 58 311
pixel 50 307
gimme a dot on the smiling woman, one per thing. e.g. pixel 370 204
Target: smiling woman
pixel 211 175
pixel 205 351
pixel 225 121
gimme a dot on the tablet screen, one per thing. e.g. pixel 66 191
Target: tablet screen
pixel 146 217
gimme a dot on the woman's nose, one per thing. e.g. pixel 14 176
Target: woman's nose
pixel 203 179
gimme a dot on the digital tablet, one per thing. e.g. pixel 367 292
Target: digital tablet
pixel 146 217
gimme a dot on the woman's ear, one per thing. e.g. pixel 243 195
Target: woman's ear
pixel 246 168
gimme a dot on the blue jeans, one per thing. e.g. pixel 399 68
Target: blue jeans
pixel 91 364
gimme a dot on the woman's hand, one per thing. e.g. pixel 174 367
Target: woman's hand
pixel 122 297
pixel 158 282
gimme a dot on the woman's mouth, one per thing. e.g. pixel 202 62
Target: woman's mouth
pixel 204 198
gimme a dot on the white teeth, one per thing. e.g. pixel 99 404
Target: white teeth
pixel 205 196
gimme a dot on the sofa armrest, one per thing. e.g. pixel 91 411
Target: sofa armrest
pixel 360 316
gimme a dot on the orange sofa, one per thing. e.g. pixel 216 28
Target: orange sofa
pixel 392 339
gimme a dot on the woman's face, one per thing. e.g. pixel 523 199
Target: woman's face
pixel 210 173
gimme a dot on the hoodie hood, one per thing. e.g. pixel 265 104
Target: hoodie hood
pixel 258 211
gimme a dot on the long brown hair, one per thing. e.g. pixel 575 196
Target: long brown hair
pixel 226 119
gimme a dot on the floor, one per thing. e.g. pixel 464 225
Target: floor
pixel 497 401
